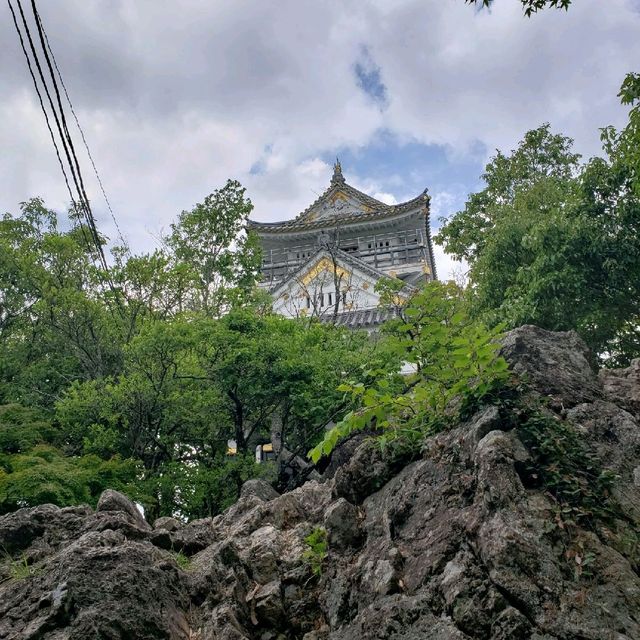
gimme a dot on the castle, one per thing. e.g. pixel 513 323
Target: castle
pixel 326 261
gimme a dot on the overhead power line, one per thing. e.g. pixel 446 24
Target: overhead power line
pixel 63 130
pixel 84 140
pixel 77 198
pixel 75 186
pixel 44 111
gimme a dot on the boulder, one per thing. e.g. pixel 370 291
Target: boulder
pixel 111 500
pixel 622 386
pixel 167 523
pixel 342 522
pixel 557 365
pixel 258 488
pixel 366 472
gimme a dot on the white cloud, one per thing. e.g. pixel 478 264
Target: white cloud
pixel 455 77
pixel 387 198
pixel 448 268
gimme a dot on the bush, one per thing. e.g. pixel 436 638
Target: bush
pixel 455 364
pixel 45 475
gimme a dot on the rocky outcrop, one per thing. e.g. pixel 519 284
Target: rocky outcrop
pixel 459 544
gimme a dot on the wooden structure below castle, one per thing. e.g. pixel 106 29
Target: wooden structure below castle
pixel 327 260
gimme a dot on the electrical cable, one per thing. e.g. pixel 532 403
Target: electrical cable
pixel 44 111
pixel 78 200
pixel 48 122
pixel 84 140
pixel 80 203
pixel 85 198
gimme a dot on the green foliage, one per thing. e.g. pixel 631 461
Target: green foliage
pixel 211 242
pixel 555 243
pixel 454 363
pixel 191 384
pixel 564 464
pixel 54 325
pixel 200 489
pixel 530 6
pixel 183 561
pixel 317 550
pixel 139 377
pixel 540 157
pixel 19 569
pixel 21 428
pixel 45 475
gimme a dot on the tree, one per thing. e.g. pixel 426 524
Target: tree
pixel 34 469
pixel 541 157
pixel 57 315
pixel 222 258
pixel 555 243
pixel 191 384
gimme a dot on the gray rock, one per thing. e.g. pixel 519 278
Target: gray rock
pixel 342 522
pixel 366 472
pixel 622 386
pixel 498 481
pixel 268 605
pixel 194 536
pixel 557 364
pixel 111 500
pixel 167 523
pixel 98 586
pixel 258 488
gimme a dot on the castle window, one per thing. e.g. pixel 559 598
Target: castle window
pixel 308 302
pixel 330 302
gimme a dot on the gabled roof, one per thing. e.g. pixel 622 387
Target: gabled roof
pixel 342 259
pixel 352 206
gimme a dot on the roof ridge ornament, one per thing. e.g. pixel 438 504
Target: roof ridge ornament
pixel 337 177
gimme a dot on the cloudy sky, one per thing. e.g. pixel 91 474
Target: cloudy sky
pixel 177 96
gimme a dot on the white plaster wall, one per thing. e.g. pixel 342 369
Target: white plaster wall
pixel 292 301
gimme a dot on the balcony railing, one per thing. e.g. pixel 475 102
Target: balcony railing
pixel 378 250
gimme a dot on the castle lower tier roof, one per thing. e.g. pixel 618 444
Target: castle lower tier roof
pixel 361 318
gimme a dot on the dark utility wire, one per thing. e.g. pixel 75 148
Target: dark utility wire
pixel 84 140
pixel 46 49
pixel 64 132
pixel 79 200
pixel 44 111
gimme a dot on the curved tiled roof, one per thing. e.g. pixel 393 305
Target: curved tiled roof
pixel 361 318
pixel 306 220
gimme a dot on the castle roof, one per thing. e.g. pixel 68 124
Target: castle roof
pixel 361 318
pixel 341 204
